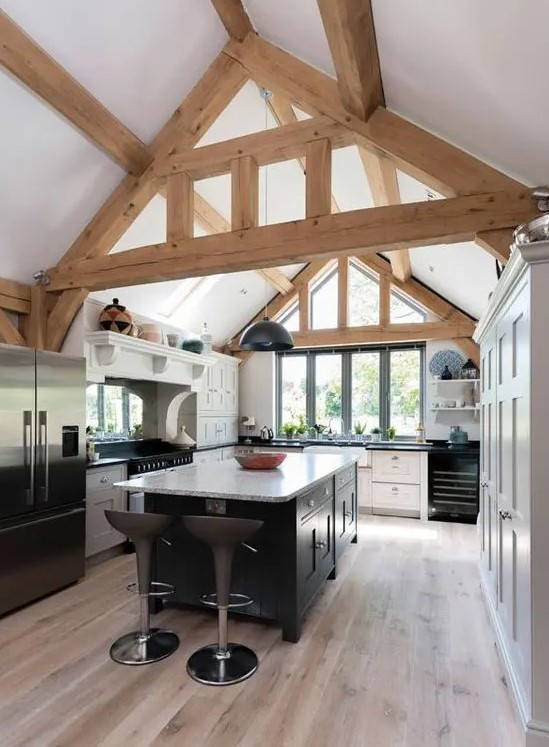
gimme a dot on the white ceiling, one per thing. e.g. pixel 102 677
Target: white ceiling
pixel 471 76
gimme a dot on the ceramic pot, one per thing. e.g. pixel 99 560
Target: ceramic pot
pixel 174 341
pixel 376 438
pixel 151 333
pixel 116 318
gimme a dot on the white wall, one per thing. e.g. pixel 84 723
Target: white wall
pixel 257 391
pixel 437 424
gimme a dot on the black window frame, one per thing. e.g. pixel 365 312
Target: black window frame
pixel 346 381
pixel 101 419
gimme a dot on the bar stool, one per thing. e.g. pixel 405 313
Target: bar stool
pixel 144 645
pixel 222 663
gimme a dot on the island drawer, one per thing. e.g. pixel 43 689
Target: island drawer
pixel 312 500
pixel 395 466
pixel 401 497
pixel 345 476
pixel 102 478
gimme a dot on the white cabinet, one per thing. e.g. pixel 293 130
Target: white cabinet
pixel 212 456
pixel 399 482
pixel 514 510
pixel 101 495
pixel 214 429
pixel 219 393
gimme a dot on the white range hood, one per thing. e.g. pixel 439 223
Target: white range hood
pixel 113 355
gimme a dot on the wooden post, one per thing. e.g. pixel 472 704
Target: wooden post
pixel 38 318
pixel 244 193
pixel 304 321
pixel 180 207
pixel 318 178
pixel 342 291
pixel 384 300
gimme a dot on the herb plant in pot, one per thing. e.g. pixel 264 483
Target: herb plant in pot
pixel 359 429
pixel 301 428
pixel 288 429
pixel 391 432
pixel 376 435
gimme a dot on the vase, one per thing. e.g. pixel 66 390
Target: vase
pixel 183 438
pixel 446 374
pixel 116 318
pixel 376 438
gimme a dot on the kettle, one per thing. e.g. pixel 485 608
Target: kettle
pixel 457 435
pixel 266 434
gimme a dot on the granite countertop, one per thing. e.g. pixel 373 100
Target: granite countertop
pixel 228 480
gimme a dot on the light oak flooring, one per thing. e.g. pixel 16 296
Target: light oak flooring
pixel 397 652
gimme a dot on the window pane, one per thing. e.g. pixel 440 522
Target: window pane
pixel 293 387
pixel 405 391
pixel 92 415
pixel 114 409
pixel 363 297
pixel 291 320
pixel 328 391
pixel 365 390
pixel 402 312
pixel 136 411
pixel 324 304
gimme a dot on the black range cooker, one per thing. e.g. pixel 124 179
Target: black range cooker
pixel 142 464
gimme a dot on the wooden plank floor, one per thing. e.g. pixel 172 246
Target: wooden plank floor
pixel 397 652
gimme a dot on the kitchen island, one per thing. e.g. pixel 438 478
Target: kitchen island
pixel 309 509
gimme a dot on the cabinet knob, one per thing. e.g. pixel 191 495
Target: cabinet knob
pixel 484 484
pixel 505 515
pixel 104 479
pixel 320 544
pixel 310 503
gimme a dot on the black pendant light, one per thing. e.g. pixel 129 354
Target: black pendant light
pixel 266 336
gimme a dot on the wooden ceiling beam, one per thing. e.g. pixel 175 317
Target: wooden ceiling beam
pixel 217 87
pixel 349 27
pixel 13 289
pixel 179 207
pixel 497 243
pixel 35 329
pixel 370 230
pixel 9 333
pixel 383 182
pixel 318 178
pixel 376 334
pixel 433 161
pixel 284 114
pixel 62 316
pixel 233 16
pixel 36 69
pixel 277 279
pixel 269 146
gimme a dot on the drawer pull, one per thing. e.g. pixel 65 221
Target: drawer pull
pixel 394 458
pixel 310 503
pixel 320 544
pixel 104 479
pixel 348 514
pixel 326 491
pixel 505 515
pixel 394 490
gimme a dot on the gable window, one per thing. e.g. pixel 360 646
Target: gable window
pixel 363 297
pixel 405 311
pixel 324 302
pixel 290 319
pixel 375 386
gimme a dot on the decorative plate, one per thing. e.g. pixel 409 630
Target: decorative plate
pixel 450 358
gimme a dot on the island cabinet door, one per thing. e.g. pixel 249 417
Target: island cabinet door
pixel 345 516
pixel 315 552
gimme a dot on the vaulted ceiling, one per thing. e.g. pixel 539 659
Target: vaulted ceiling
pixel 461 71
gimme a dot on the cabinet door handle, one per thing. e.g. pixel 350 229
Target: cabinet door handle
pixel 505 515
pixel 326 491
pixel 310 503
pixel 104 479
pixel 320 544
pixel 348 514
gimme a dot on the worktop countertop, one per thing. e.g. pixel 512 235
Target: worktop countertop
pixel 107 462
pixel 298 473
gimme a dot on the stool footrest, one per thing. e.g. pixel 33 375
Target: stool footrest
pixel 165 589
pixel 241 600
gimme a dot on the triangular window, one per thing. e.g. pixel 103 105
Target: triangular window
pixel 405 311
pixel 363 297
pixel 324 302
pixel 290 320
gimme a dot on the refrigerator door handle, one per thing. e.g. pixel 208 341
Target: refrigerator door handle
pixel 43 451
pixel 28 456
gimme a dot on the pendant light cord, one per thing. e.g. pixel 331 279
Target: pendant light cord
pixel 265 95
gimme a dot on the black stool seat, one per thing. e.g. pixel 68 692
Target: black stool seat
pixel 145 645
pixel 222 663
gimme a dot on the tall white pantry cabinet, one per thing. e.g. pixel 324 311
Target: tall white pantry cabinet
pixel 514 501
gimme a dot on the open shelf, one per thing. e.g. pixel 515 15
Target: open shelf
pixel 470 408
pixel 454 381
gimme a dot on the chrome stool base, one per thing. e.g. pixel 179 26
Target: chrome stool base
pixel 206 667
pixel 135 648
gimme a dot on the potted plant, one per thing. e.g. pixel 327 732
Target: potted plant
pixel 359 429
pixel 301 428
pixel 391 432
pixel 288 429
pixel 376 435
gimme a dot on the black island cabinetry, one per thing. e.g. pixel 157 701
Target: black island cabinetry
pixel 298 548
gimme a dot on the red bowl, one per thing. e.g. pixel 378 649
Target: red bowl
pixel 261 460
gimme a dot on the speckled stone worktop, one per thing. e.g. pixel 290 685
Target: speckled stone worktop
pixel 227 480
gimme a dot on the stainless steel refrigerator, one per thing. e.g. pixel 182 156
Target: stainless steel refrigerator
pixel 42 473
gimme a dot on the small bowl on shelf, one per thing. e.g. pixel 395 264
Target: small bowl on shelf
pixel 261 459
